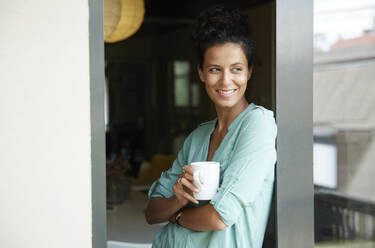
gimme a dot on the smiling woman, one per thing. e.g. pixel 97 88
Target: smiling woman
pixel 225 74
pixel 241 139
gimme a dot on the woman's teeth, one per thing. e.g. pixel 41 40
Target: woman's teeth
pixel 226 92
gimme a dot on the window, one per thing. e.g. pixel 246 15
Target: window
pixel 325 164
pixel 185 93
pixel 344 103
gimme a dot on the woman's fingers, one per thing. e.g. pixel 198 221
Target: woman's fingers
pixel 189 185
pixel 188 176
pixel 186 194
pixel 183 190
pixel 190 197
pixel 188 172
pixel 184 186
pixel 178 193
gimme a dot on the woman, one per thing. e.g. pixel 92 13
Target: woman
pixel 241 138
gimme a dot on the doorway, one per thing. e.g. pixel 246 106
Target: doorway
pixel 155 99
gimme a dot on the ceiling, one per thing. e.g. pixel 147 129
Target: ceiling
pixel 190 8
pixel 167 15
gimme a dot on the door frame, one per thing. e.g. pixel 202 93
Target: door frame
pixel 97 88
pixel 294 113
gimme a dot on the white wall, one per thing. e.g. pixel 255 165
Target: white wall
pixel 45 160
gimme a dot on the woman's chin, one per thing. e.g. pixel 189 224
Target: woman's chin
pixel 228 103
pixel 224 104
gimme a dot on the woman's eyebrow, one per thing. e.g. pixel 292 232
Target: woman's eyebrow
pixel 237 63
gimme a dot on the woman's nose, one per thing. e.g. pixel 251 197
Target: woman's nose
pixel 225 78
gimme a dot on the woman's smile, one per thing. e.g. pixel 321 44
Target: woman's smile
pixel 226 93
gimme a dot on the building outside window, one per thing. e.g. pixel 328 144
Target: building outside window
pixel 344 123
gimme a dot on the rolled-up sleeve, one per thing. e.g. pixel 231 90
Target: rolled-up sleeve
pixel 252 160
pixel 163 187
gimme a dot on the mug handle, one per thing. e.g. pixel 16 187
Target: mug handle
pixel 197 181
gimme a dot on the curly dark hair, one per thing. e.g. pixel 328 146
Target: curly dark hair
pixel 221 24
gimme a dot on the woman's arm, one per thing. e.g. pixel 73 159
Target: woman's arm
pixel 203 218
pixel 161 209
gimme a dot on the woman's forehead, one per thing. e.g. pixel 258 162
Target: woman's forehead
pixel 228 54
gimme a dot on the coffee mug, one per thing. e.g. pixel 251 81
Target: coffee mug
pixel 209 173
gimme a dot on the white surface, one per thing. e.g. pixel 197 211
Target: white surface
pixel 45 161
pixel 127 223
pixel 117 244
pixel 325 165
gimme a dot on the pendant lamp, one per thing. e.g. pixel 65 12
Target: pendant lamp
pixel 122 18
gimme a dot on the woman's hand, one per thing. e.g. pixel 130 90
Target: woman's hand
pixel 184 187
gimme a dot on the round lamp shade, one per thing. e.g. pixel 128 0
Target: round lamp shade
pixel 122 18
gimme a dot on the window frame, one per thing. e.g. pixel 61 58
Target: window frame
pixel 294 115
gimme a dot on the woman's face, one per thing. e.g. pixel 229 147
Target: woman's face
pixel 225 74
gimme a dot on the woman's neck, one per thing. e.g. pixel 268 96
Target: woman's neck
pixel 225 116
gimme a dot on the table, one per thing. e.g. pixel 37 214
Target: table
pixel 126 222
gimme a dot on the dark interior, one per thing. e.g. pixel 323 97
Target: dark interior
pixel 140 76
pixel 153 106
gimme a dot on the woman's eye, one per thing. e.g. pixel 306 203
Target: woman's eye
pixel 213 70
pixel 237 69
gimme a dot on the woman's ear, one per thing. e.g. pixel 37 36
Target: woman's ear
pixel 200 73
pixel 250 73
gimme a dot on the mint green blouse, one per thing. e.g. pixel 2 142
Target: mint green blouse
pixel 247 158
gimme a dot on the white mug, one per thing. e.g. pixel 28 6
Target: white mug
pixel 209 172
